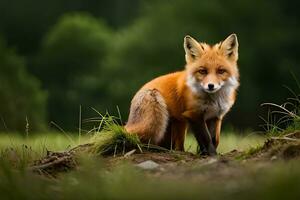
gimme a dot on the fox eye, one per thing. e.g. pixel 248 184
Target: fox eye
pixel 202 71
pixel 221 71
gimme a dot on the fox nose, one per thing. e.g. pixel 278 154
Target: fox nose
pixel 211 86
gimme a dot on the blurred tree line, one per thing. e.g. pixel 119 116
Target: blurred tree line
pixel 99 53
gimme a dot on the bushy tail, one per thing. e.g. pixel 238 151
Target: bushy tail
pixel 113 139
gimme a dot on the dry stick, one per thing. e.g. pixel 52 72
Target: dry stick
pixel 288 137
pixel 80 146
pixel 293 133
pixel 79 131
pixel 47 165
pixel 285 138
pixel 281 107
pixel 56 159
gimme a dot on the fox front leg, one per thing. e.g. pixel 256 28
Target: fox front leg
pixel 203 137
pixel 214 127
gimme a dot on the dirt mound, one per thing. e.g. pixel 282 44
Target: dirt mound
pixel 56 162
pixel 284 147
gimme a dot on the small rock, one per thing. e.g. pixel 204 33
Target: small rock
pixel 129 153
pixel 274 158
pixel 211 161
pixel 183 161
pixel 149 164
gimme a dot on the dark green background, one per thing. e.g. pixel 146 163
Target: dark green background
pixel 56 55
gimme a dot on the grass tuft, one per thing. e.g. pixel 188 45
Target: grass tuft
pixel 111 138
pixel 114 139
pixel 284 118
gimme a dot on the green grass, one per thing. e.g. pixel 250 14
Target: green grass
pixel 59 142
pixel 21 151
pixel 114 139
pixel 40 142
pixel 228 142
pixel 94 181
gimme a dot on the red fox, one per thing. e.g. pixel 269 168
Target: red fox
pixel 197 97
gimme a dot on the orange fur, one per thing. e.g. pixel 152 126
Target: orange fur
pixel 198 96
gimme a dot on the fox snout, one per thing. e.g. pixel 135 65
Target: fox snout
pixel 211 87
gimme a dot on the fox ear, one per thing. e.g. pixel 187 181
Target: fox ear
pixel 192 49
pixel 230 47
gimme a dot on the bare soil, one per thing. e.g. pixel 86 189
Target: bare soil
pixel 176 165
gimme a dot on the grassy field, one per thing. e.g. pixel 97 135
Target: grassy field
pixel 40 143
pixel 196 179
pixel 60 141
pixel 229 141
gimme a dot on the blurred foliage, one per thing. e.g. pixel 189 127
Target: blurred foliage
pixel 22 102
pixel 31 19
pixel 99 53
pixel 268 48
pixel 70 65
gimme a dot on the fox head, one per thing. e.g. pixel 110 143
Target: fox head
pixel 211 67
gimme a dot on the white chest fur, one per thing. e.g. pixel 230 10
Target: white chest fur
pixel 215 104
